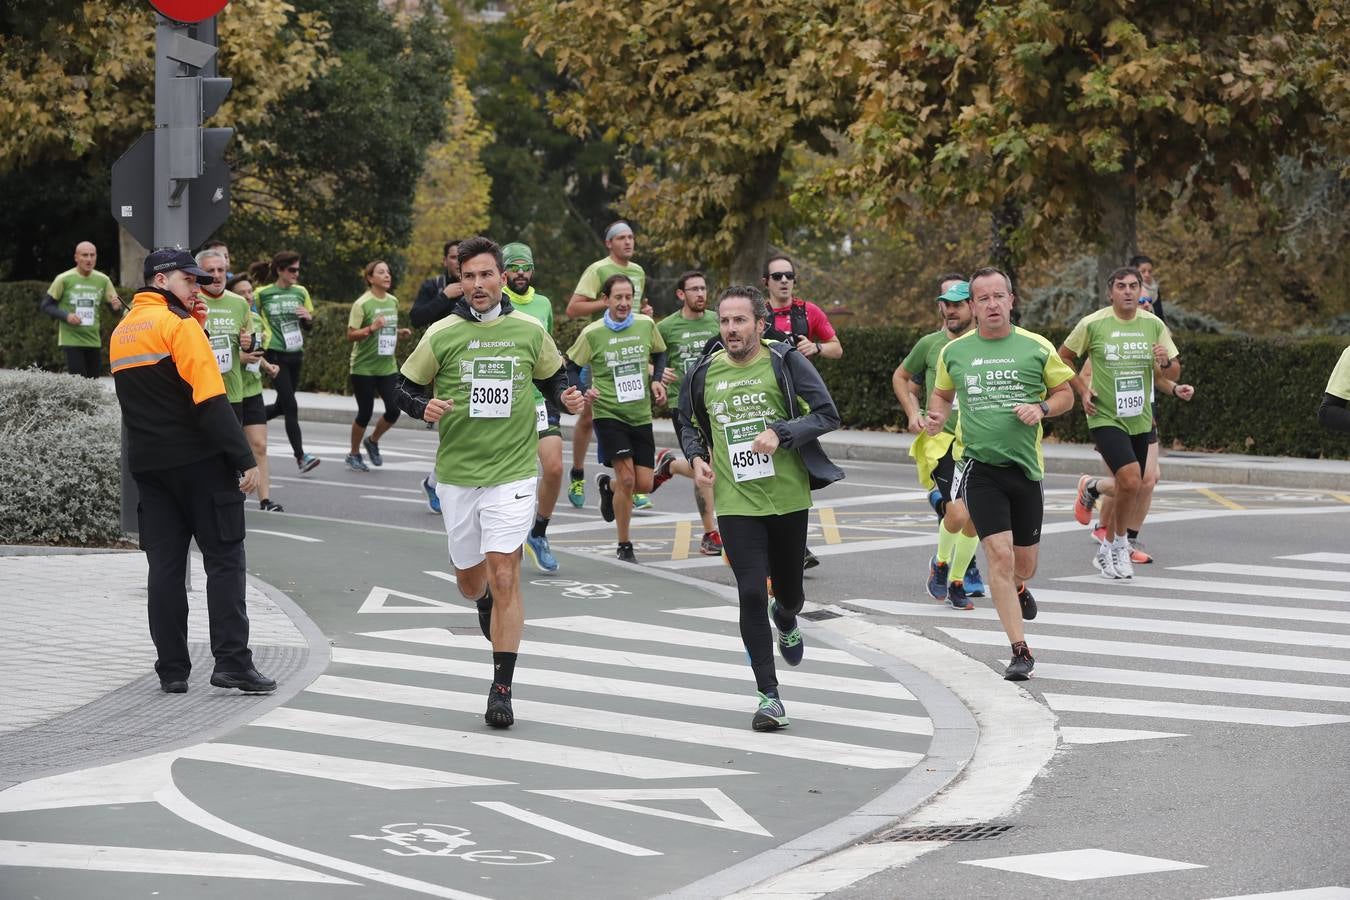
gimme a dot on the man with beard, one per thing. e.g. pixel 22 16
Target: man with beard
pixel 435 298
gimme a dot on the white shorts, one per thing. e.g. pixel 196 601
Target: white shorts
pixel 482 520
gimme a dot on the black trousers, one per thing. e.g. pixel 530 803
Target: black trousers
pixel 84 361
pixel 200 500
pixel 758 548
pixel 286 384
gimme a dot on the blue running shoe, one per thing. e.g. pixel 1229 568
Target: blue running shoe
pixel 642 501
pixel 537 549
pixel 770 716
pixel 937 579
pixel 956 595
pixel 576 492
pixel 790 643
pixel 433 501
pixel 974 584
pixel 373 449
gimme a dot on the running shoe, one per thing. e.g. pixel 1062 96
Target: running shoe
pixel 1099 533
pixel 499 714
pixel 307 462
pixel 625 552
pixel 537 549
pixel 1105 562
pixel 356 463
pixel 956 595
pixel 711 545
pixel 935 500
pixel 433 501
pixel 1027 602
pixel 642 501
pixel 1084 500
pixel 661 474
pixel 484 605
pixel 809 561
pixel 269 506
pixel 790 643
pixel 973 583
pixel 576 492
pixel 373 449
pixel 1138 555
pixel 1120 555
pixel 770 716
pixel 606 497
pixel 1022 664
pixel 937 579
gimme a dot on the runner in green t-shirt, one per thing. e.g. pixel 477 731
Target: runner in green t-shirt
pixel 936 456
pixel 586 302
pixel 686 332
pixel 477 365
pixel 289 313
pixel 1007 380
pixel 73 300
pixel 254 411
pixel 372 329
pixel 226 325
pixel 617 350
pixel 745 434
pixel 519 289
pixel 1333 413
pixel 1123 345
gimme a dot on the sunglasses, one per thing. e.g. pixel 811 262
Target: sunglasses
pixel 519 268
pixel 782 276
pixel 292 268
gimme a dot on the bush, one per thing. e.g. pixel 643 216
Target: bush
pixel 28 336
pixel 60 443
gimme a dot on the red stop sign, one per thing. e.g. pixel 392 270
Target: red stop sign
pixel 189 10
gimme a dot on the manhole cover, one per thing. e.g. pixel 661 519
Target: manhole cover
pixel 941 833
pixel 820 615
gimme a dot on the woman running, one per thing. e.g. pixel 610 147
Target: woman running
pixel 373 331
pixel 255 413
pixel 288 313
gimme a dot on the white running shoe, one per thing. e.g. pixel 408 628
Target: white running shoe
pixel 1105 562
pixel 1120 555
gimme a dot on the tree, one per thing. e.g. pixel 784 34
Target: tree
pixel 1078 113
pixel 704 98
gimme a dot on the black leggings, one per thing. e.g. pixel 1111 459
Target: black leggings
pixel 286 382
pixel 761 547
pixel 84 361
pixel 365 387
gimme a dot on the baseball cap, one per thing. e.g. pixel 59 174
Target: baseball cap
pixel 518 253
pixel 957 293
pixel 170 260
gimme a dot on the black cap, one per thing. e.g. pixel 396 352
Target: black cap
pixel 170 260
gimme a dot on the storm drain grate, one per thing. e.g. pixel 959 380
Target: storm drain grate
pixel 820 615
pixel 941 833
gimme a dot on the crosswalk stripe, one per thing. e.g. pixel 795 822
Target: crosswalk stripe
pixel 562 828
pixel 1072 734
pixel 789 677
pixel 834 752
pixel 1168 652
pixel 1343 558
pixel 1206 587
pixel 619 687
pixel 680 637
pixel 1197 712
pixel 450 741
pixel 146 860
pixel 390 776
pixel 1178 681
pixel 1125 623
pixel 1177 604
pixel 1283 572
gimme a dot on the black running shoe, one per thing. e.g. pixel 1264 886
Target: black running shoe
pixel 1028 603
pixel 809 560
pixel 606 497
pixel 625 552
pixel 770 716
pixel 269 506
pixel 1022 664
pixel 790 643
pixel 485 614
pixel 499 714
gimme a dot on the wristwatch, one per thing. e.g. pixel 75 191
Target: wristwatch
pixel 1045 408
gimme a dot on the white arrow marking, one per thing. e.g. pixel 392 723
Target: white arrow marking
pixel 95 858
pixel 133 781
pixel 562 828
pixel 390 776
pixel 444 576
pixel 1074 735
pixel 377 601
pixel 726 813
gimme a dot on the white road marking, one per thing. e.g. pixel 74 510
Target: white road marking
pixel 663 693
pixel 1170 653
pixel 1293 573
pixel 816 749
pixel 416 500
pixel 1342 558
pixel 377 601
pixel 1124 623
pixel 346 484
pixel 450 741
pixel 1183 682
pixel 1211 587
pixel 565 830
pixel 144 860
pixel 443 576
pixel 789 677
pixel 725 812
pixel 1070 734
pixel 1322 893
pixel 1301 613
pixel 389 776
pixel 130 781
pixel 1195 712
pixel 680 637
pixel 286 534
pixel 1081 865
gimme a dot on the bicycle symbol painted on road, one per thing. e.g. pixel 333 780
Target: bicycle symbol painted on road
pixel 434 839
pixel 580 590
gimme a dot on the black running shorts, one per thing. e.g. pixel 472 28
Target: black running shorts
pixel 1001 498
pixel 1119 449
pixel 619 440
pixel 253 411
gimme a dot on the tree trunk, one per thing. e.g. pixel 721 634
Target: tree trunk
pixel 1004 220
pixel 1117 234
pixel 759 195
